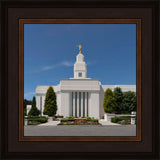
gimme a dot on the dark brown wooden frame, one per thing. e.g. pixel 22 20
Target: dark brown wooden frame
pixel 146 10
pixel 80 21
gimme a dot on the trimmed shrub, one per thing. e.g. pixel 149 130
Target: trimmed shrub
pixel 40 119
pixel 58 116
pixel 118 119
pixel 94 120
pixel 71 118
pixel 37 117
pixel 50 106
pixel 34 111
pixel 114 119
pixel 119 99
pixel 109 102
pixel 33 123
pixel 88 118
pixel 64 120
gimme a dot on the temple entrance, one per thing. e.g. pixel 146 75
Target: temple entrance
pixel 80 103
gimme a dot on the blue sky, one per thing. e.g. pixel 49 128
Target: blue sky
pixel 50 51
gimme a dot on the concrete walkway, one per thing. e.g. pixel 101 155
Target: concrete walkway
pixel 50 123
pixel 103 122
pixel 81 130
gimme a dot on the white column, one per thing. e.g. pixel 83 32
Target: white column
pixel 85 104
pixel 73 103
pixel 81 104
pixel 77 104
pixel 88 104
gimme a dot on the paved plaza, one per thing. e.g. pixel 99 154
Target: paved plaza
pixel 80 130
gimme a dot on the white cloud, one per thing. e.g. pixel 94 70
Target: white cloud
pixel 61 64
pixel 91 63
pixel 67 64
pixel 46 68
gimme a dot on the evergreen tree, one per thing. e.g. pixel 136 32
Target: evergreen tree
pixel 34 111
pixel 50 106
pixel 26 102
pixel 109 102
pixel 129 102
pixel 119 99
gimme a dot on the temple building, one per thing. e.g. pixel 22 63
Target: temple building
pixel 79 96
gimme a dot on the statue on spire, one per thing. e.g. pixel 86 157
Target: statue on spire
pixel 80 48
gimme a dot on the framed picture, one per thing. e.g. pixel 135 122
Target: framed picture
pixel 82 97
pixel 80 78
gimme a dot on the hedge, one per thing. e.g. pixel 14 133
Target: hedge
pixel 38 119
pixel 88 118
pixel 36 116
pixel 94 120
pixel 58 116
pixel 117 119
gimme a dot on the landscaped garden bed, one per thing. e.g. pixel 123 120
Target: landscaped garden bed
pixel 35 120
pixel 126 120
pixel 79 121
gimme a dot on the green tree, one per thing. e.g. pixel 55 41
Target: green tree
pixel 129 102
pixel 34 111
pixel 26 102
pixel 119 99
pixel 109 102
pixel 50 106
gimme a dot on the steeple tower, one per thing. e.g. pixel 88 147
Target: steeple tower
pixel 80 67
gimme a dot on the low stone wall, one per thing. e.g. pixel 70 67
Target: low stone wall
pixel 108 116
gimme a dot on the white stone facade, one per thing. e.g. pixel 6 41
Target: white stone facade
pixel 79 96
pixel 28 108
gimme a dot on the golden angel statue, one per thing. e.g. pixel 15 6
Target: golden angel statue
pixel 79 48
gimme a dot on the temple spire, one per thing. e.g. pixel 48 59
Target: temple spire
pixel 80 67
